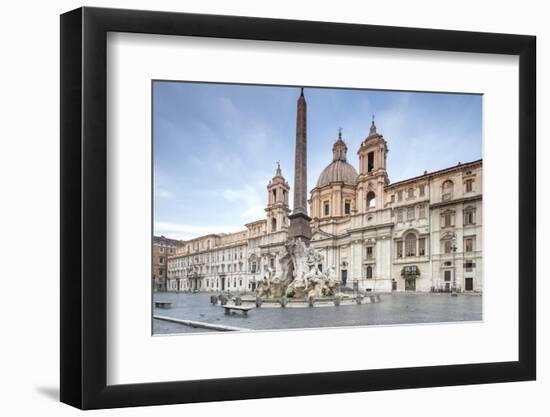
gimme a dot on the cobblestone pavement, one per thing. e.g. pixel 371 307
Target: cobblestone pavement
pixel 394 308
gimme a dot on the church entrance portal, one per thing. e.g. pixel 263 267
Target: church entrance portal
pixel 344 277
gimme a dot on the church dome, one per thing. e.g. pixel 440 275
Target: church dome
pixel 339 170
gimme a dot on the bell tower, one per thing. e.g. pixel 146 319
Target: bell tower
pixel 277 202
pixel 372 171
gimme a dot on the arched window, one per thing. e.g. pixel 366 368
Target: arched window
pixel 371 200
pixel 410 244
pixel 447 190
pixel 273 224
pixel 369 272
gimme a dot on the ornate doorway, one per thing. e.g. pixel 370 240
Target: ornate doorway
pixel 410 284
pixel 344 277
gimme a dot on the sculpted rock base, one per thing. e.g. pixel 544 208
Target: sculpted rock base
pixel 299 275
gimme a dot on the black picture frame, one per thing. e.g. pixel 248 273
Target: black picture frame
pixel 84 207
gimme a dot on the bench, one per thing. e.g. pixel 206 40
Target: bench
pixel 242 309
pixel 163 304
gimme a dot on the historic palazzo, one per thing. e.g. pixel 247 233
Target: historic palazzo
pixel 420 234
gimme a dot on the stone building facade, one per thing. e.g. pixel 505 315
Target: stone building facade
pixel 162 249
pixel 420 234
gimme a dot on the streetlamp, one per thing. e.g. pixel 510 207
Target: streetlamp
pixel 453 249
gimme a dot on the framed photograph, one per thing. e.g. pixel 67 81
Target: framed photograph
pixel 257 208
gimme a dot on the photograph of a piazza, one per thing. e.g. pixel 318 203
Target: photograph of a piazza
pixel 281 208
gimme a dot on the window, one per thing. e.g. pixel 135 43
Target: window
pixel 370 161
pixel 392 200
pixel 447 190
pixel 469 185
pixel 274 195
pixel 399 249
pixel 161 260
pixel 410 244
pixel 272 262
pixel 369 272
pixel 469 216
pixel 422 211
pixel 447 246
pixel 161 272
pixel 371 200
pixel 469 266
pixel 447 219
pixel 347 207
pixel 469 244
pixel 369 253
pixel 422 246
pixel 422 190
pixel 273 228
pixel 320 267
pixel 254 265
pixel 400 195
pixel 399 215
pixel 410 213
pixel 447 276
pixel 410 193
pixel 161 249
pixel 326 208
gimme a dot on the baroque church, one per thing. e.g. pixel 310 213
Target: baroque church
pixel 421 234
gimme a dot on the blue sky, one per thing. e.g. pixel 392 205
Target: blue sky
pixel 216 145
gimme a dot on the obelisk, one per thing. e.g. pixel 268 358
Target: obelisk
pixel 299 220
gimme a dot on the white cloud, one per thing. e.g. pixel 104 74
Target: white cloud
pixel 250 199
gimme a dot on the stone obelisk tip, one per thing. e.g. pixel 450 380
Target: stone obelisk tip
pixel 299 220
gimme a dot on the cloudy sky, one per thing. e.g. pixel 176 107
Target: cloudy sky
pixel 216 146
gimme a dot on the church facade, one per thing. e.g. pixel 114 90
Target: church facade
pixel 422 234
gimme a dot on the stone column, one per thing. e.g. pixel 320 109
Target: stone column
pixel 299 220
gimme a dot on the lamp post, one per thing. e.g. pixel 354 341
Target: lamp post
pixel 453 249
